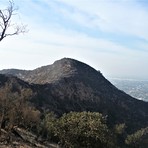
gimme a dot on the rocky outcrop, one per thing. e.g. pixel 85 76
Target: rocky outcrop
pixel 21 138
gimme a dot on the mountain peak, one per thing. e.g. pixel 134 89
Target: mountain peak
pixel 68 64
pixel 60 69
pixel 63 68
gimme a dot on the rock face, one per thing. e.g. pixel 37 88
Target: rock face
pixel 69 85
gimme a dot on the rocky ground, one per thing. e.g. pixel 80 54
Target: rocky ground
pixel 20 138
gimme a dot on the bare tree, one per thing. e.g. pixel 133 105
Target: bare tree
pixel 7 28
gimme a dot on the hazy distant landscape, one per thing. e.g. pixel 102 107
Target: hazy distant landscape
pixel 135 88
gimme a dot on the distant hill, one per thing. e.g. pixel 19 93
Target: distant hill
pixel 70 85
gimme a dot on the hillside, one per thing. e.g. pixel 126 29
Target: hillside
pixel 69 85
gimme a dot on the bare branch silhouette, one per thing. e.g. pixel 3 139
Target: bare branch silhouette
pixel 6 23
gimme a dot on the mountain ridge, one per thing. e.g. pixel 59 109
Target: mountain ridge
pixel 61 68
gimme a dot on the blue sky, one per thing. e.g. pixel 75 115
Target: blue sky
pixel 109 35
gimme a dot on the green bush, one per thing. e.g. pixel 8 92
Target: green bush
pixel 84 129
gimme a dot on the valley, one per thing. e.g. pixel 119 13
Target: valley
pixel 135 88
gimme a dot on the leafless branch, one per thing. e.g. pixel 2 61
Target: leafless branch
pixel 5 22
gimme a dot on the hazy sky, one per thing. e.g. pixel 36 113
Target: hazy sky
pixel 109 35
